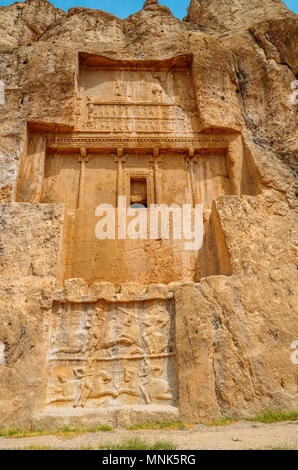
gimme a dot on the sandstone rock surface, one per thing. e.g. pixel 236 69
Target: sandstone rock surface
pixel 235 15
pixel 160 111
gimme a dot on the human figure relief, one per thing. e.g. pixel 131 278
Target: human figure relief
pixel 144 386
pixel 129 386
pixel 108 340
pixel 160 389
pixel 56 322
pixel 93 384
pixel 130 335
pixel 90 108
pixel 157 93
pixel 63 390
pixel 96 332
pixel 119 89
pixel 78 109
pixel 156 332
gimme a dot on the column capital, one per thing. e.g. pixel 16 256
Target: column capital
pixel 155 158
pixel 119 157
pixel 120 152
pixel 83 157
pixel 191 152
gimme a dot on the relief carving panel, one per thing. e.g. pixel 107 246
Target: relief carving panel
pixel 109 354
pixel 137 101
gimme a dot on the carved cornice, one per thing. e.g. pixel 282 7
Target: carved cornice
pixel 79 140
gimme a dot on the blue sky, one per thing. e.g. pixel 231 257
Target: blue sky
pixel 124 8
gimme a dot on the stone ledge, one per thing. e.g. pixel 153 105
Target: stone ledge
pixel 124 416
pixel 77 291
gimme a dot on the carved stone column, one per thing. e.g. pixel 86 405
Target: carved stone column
pixel 156 176
pixel 83 158
pixel 120 174
pixel 192 168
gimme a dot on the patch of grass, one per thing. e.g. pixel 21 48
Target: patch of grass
pixel 37 447
pixel 64 432
pixel 8 432
pixel 138 444
pixel 16 433
pixel 221 422
pixel 102 427
pixel 130 444
pixel 275 416
pixel 285 447
pixel 280 447
pixel 67 432
pixel 164 425
pixel 34 447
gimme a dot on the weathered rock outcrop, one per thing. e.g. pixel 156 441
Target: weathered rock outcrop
pixel 25 22
pixel 235 15
pixel 159 110
pixel 232 330
pixel 262 38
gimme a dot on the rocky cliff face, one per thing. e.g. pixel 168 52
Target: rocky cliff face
pixel 235 15
pixel 236 321
pixel 261 36
pixel 25 22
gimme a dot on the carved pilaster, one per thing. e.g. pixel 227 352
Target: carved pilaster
pixel 156 176
pixel 191 162
pixel 120 174
pixel 193 167
pixel 83 158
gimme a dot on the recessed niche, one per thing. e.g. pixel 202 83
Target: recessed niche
pixel 136 135
pixel 138 191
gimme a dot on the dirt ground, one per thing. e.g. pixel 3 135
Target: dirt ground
pixel 241 435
